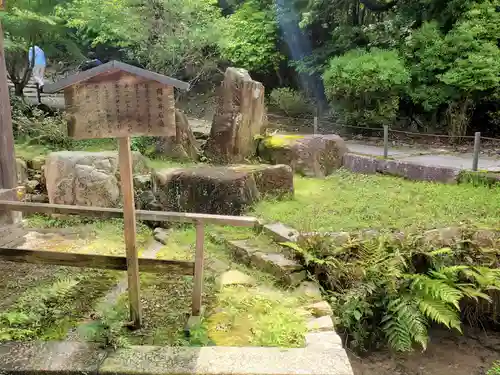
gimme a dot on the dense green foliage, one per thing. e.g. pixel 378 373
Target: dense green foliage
pixel 387 290
pixel 290 102
pixel 249 38
pixel 27 23
pixel 425 64
pixel 366 85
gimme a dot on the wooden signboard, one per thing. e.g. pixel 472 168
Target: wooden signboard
pixel 118 106
pixel 117 100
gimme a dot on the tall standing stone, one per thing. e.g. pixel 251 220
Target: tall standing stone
pixel 182 145
pixel 239 117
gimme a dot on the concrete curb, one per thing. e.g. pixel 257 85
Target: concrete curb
pixel 323 355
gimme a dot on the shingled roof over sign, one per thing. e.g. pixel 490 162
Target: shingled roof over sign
pixel 110 67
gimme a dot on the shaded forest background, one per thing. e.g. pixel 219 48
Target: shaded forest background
pixel 427 65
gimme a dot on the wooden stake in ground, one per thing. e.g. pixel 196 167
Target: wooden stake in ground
pixel 198 270
pixel 125 159
pixel 7 156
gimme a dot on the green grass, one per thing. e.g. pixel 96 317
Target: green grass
pixel 346 201
pixel 28 151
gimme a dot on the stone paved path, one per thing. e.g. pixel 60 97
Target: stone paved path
pixel 428 157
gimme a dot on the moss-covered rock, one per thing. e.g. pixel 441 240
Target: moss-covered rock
pixel 220 190
pixel 307 154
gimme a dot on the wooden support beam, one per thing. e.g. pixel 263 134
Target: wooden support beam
pixel 95 261
pixel 106 213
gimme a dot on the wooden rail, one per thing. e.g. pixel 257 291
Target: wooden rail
pixel 94 261
pixel 120 263
pixel 106 213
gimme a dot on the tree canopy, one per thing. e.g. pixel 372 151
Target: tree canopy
pixel 433 63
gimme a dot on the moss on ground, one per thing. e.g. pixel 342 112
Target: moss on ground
pixel 46 302
pixel 264 314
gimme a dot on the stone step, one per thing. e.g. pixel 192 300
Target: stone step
pixel 273 262
pixel 280 232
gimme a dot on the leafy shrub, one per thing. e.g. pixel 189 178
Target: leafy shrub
pixel 389 291
pixel 291 102
pixel 32 125
pixel 364 86
pixel 495 369
pixel 142 144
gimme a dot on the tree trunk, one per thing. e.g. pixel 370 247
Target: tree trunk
pixel 18 89
pixel 458 116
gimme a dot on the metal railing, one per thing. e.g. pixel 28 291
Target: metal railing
pixel 386 130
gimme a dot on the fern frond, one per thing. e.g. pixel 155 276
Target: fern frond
pixel 435 289
pixel 443 251
pixel 484 277
pixel 452 271
pixel 440 312
pixel 474 293
pixel 405 325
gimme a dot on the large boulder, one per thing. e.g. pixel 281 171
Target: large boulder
pixel 240 116
pixel 181 146
pixel 220 190
pixel 86 178
pixel 309 155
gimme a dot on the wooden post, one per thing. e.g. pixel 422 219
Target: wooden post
pixel 7 157
pixel 7 154
pixel 315 128
pixel 38 95
pixel 386 141
pixel 125 159
pixel 198 270
pixel 477 147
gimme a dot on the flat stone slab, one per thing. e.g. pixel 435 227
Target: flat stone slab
pixel 280 232
pixel 242 250
pixel 320 309
pixel 324 323
pixel 64 357
pixel 316 360
pixel 401 168
pixel 235 277
pixel 310 290
pixel 323 340
pixel 161 235
pixel 275 262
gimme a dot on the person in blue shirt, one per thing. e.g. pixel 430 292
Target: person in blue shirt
pixel 38 64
